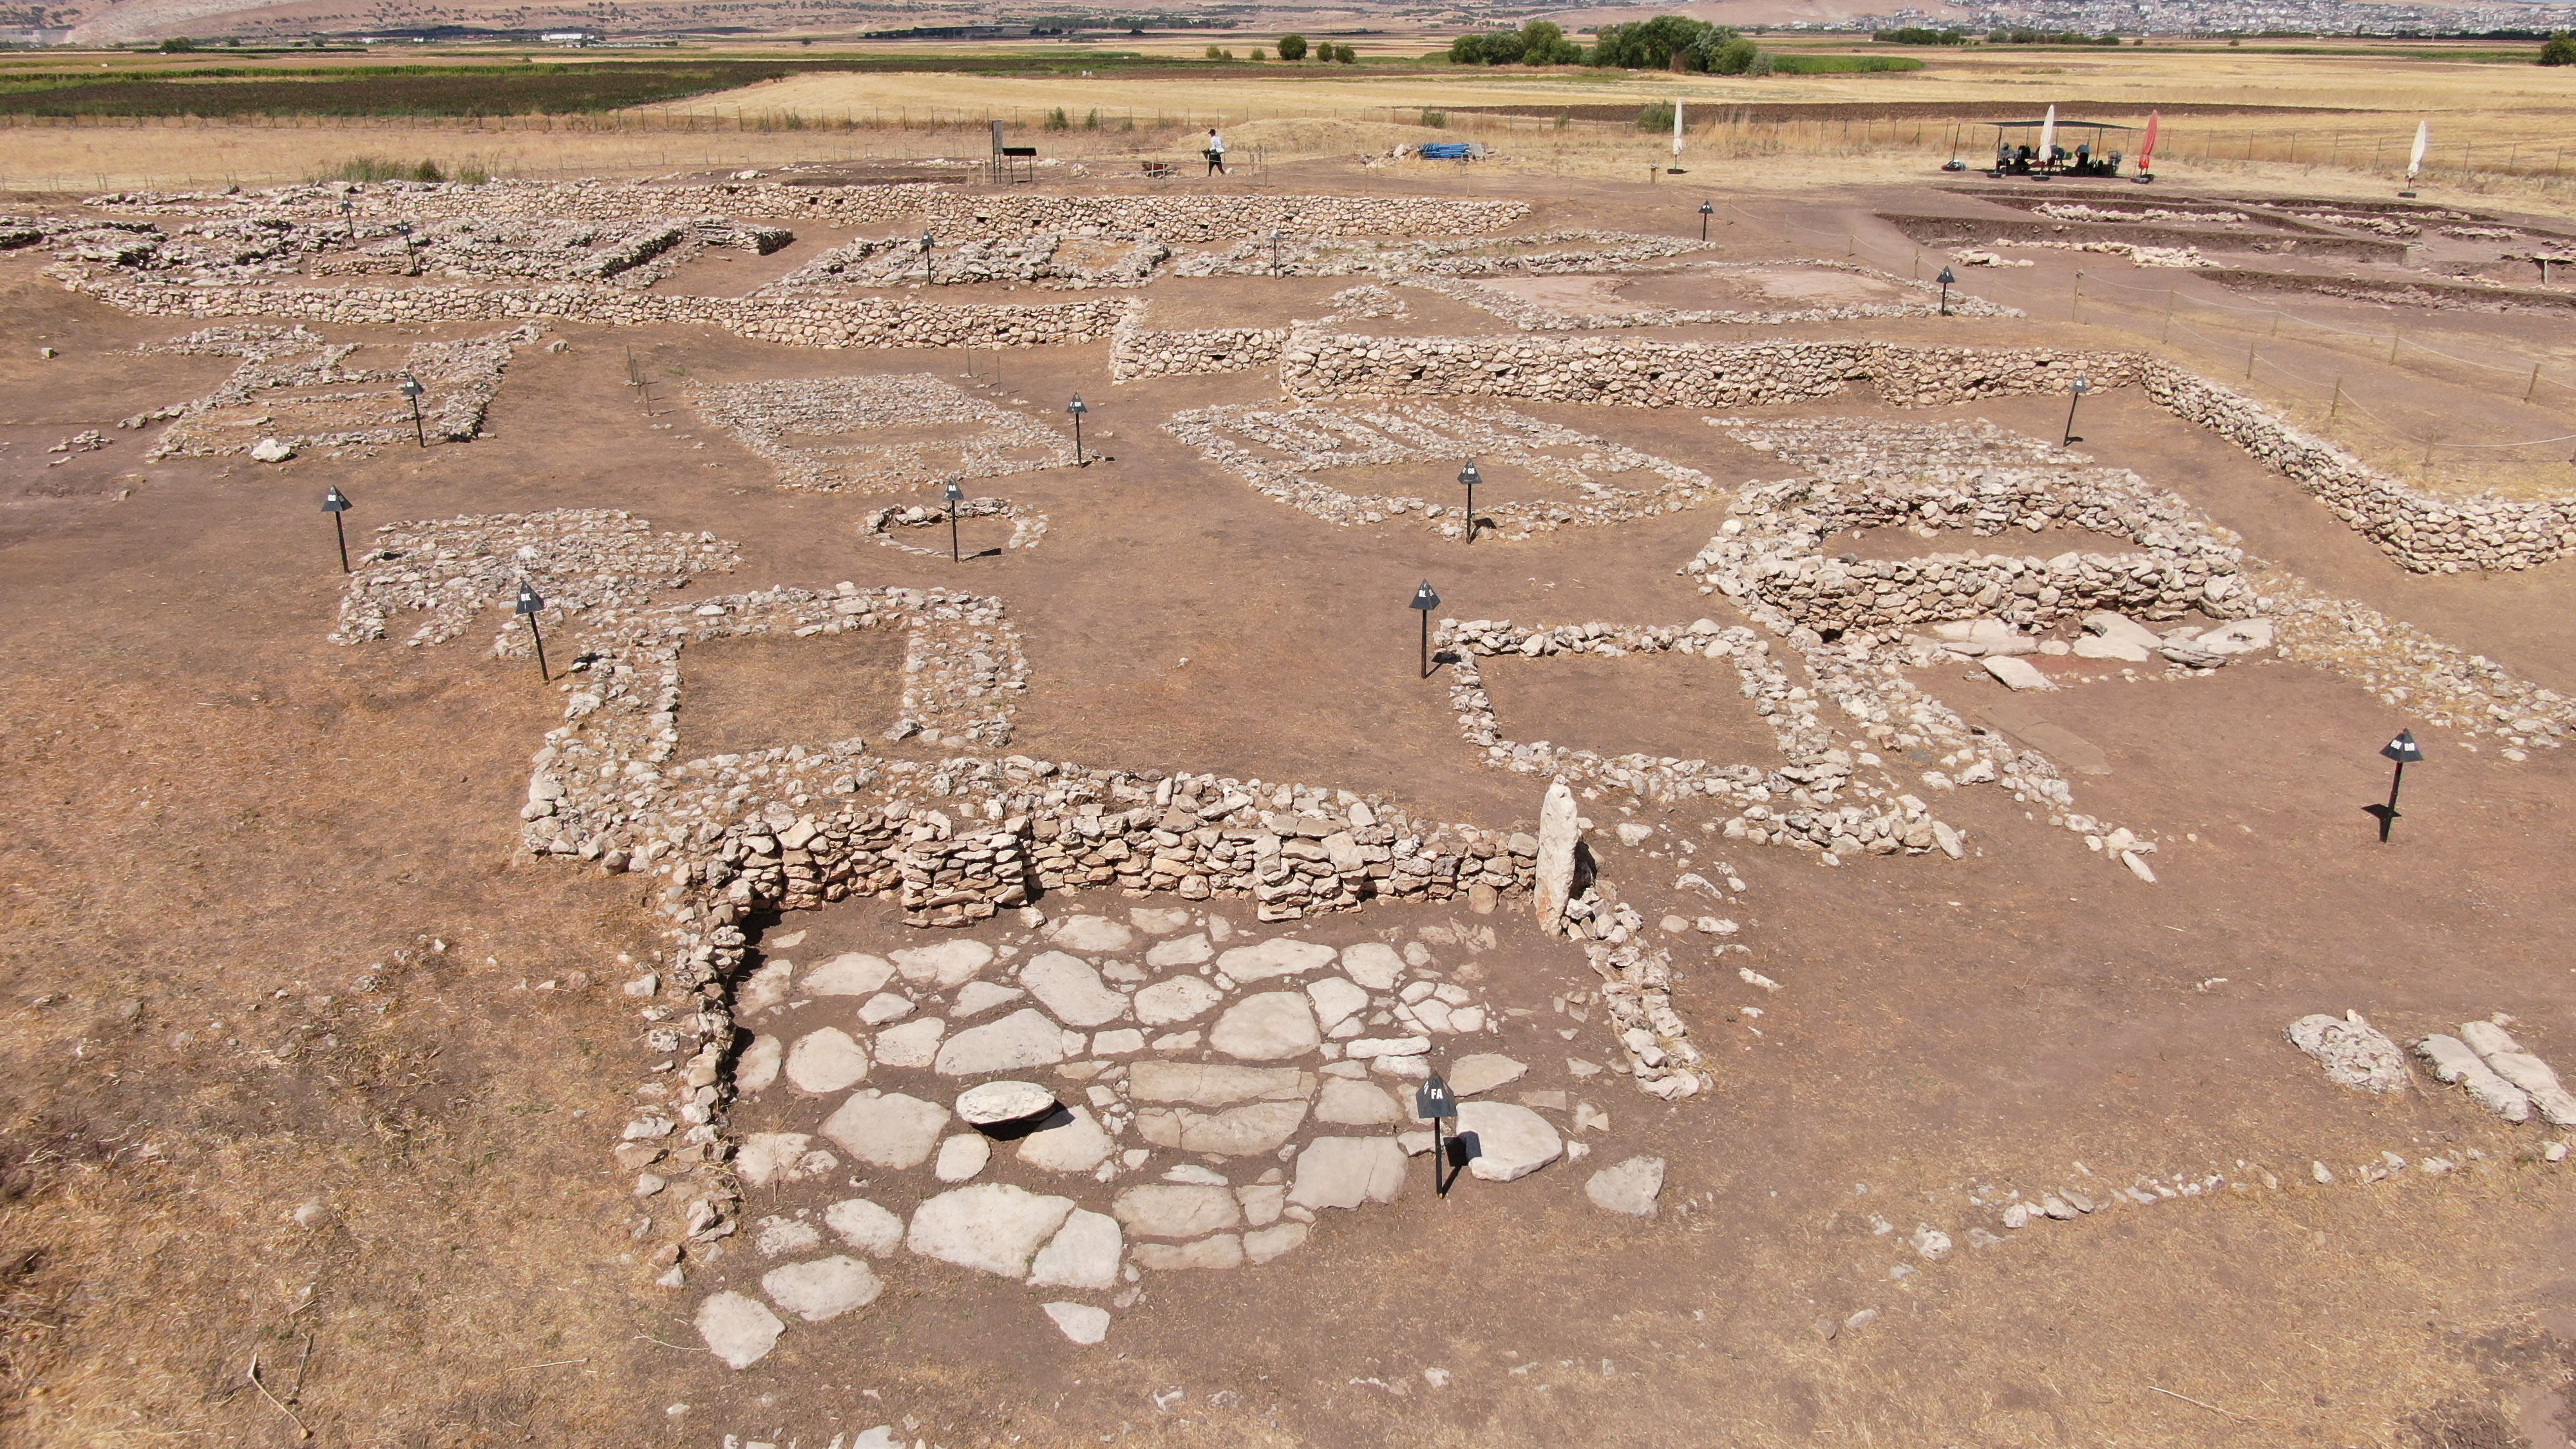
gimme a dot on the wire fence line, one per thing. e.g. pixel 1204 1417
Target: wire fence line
pixel 2337 394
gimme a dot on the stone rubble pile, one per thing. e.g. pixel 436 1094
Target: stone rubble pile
pixel 1284 454
pixel 577 559
pixel 965 436
pixel 268 398
pixel 1028 527
pixel 2079 211
pixel 2138 253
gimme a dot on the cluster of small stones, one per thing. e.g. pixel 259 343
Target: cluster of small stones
pixel 2138 253
pixel 2425 533
pixel 2496 1073
pixel 1792 803
pixel 1028 526
pixel 1284 453
pixel 2410 670
pixel 459 379
pixel 1548 253
pixel 1269 1076
pixel 1769 555
pixel 977 439
pixel 577 559
pixel 941 208
pixel 1533 316
pixel 2078 211
pixel 1046 260
pixel 1637 991
pixel 2384 225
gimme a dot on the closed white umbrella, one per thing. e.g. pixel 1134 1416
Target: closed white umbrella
pixel 2423 138
pixel 2048 136
pixel 1677 130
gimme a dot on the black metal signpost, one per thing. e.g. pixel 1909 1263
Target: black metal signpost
pixel 1076 408
pixel 529 604
pixel 2404 751
pixel 1469 476
pixel 926 244
pixel 2082 386
pixel 955 496
pixel 1947 279
pixel 412 390
pixel 411 258
pixel 336 503
pixel 1706 210
pixel 1433 1102
pixel 1424 601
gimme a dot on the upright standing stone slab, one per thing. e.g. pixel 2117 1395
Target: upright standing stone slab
pixel 1557 837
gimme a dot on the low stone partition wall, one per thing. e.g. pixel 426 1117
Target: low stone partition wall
pixel 942 206
pixel 793 322
pixel 607 787
pixel 1136 351
pixel 1973 230
pixel 2424 532
pixel 1641 372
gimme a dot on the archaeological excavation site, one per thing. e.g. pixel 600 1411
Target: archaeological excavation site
pixel 1361 806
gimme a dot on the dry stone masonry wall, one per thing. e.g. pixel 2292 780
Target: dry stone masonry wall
pixel 271 397
pixel 1047 260
pixel 577 559
pixel 805 321
pixel 2423 532
pixel 962 436
pixel 942 208
pixel 1769 558
pixel 1287 454
pixel 1530 315
pixel 1807 780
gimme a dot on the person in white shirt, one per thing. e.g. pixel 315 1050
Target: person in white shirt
pixel 1215 153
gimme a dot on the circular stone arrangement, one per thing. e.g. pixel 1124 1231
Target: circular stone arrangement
pixel 1028 526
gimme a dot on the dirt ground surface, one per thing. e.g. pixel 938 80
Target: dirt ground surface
pixel 309 1071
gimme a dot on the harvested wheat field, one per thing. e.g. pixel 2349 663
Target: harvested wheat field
pixel 752 787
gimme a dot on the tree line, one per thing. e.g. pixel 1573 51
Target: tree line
pixel 1666 42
